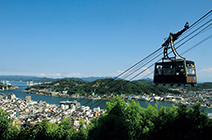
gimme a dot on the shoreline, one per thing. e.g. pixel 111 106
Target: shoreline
pixel 11 88
pixel 177 103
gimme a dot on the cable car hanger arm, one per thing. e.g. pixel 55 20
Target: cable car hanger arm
pixel 172 37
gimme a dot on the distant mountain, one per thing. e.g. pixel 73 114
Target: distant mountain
pixel 46 79
pixel 148 79
pixel 104 86
pixel 26 78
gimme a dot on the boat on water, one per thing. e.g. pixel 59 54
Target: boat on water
pixel 143 98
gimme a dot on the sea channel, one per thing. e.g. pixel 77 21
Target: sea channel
pixel 83 101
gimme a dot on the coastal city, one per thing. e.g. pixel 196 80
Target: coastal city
pixel 27 112
pixel 114 70
pixel 185 97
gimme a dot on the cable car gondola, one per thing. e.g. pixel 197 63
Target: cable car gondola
pixel 174 70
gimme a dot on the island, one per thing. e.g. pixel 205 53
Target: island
pixel 136 90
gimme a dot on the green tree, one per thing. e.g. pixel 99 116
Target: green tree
pixel 181 123
pixel 135 121
pixel 7 130
pixel 44 130
pixel 82 133
pixel 27 133
pixel 112 124
pixel 65 130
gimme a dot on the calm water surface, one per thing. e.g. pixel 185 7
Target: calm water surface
pixel 85 102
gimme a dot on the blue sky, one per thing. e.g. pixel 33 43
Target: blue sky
pixel 93 38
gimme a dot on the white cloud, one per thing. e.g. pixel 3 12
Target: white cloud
pixel 42 74
pixel 205 71
pixel 74 74
pixel 77 74
pixel 204 75
pixel 58 74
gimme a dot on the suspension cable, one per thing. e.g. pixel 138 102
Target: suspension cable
pixel 197 44
pixel 193 25
pixel 201 31
pixel 204 29
pixel 196 23
pixel 194 31
pixel 189 49
pixel 138 63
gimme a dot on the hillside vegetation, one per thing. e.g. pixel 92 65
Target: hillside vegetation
pixel 206 85
pixel 104 86
pixel 121 121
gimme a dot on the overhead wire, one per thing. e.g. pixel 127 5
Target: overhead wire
pixel 201 19
pixel 189 49
pixel 138 62
pixel 170 52
pixel 197 44
pixel 191 32
pixel 127 73
pixel 208 14
pixel 193 25
pixel 176 47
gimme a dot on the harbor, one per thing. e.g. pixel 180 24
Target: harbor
pixel 92 103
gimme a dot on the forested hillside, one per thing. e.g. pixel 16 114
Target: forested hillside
pixel 104 86
pixel 201 86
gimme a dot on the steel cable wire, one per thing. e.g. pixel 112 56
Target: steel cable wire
pixel 189 49
pixel 201 31
pixel 193 25
pixel 192 32
pixel 138 62
pixel 204 29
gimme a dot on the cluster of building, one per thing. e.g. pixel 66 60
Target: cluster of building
pixel 5 85
pixel 204 97
pixel 28 112
pixel 188 98
pixel 31 83
pixel 45 91
pixel 153 97
pixel 49 92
